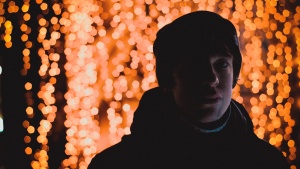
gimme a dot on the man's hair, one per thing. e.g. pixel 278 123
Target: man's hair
pixel 192 37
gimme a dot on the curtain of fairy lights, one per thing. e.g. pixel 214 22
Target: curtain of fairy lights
pixel 110 63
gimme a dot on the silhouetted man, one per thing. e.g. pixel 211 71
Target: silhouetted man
pixel 190 120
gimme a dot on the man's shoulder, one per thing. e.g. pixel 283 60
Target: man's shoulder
pixel 269 155
pixel 108 157
pixel 153 92
pixel 265 147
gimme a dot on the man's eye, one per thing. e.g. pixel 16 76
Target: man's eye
pixel 222 64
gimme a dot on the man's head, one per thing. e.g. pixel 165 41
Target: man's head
pixel 198 58
pixel 192 37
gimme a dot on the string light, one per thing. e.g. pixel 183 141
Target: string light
pixel 110 64
pixel 26 31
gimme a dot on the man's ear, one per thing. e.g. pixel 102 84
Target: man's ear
pixel 234 81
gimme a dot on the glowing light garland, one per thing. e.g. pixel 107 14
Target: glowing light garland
pixel 108 47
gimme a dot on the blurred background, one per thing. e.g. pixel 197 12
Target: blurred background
pixel 72 73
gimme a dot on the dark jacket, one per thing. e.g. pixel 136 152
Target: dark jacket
pixel 161 139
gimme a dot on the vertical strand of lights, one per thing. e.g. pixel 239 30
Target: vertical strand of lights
pixel 48 37
pixel 26 30
pixel 2 12
pixel 83 98
pixel 44 93
pixel 12 8
pixel 295 31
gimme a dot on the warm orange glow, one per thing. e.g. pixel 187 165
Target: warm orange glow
pixel 110 61
pixel 28 150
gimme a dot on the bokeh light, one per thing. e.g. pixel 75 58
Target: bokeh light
pixel 109 64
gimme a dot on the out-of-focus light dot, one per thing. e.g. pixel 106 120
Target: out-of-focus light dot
pixel 65 162
pixel 255 83
pixel 24 27
pixel 287 89
pixel 8 24
pixel 24 37
pixel 129 3
pixel 138 11
pixel 30 129
pixel 112 130
pixel 82 133
pixel 291 123
pixel 35 165
pixel 272 141
pixel 94 111
pixel 117 6
pixel 286 13
pixel 71 37
pixel 263 97
pixel 42 22
pixel 120 68
pixel 126 107
pixel 279 99
pixel 270 127
pixel 276 122
pixel 117 18
pixel 25 124
pixel 87 151
pixel 292 156
pixel 25 8
pixel 276 63
pixel 293 167
pixel 255 109
pixel 27 139
pixel 111 110
pixel 29 110
pixel 28 150
pixel 288 70
pixel 119 119
pixel 28 86
pixel 7 38
pixel 259 63
pixel 115 35
pixel 291 143
pixel 135 84
pixel 279 138
pixel 118 96
pixel 26 17
pixel 129 94
pixel 101 32
pixel 44 6
pixel 83 121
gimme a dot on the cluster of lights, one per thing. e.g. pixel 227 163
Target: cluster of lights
pixel 266 71
pixel 110 63
pixel 48 70
pixel 83 97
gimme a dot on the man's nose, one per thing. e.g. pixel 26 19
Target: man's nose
pixel 210 77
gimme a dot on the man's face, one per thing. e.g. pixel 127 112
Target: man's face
pixel 203 88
